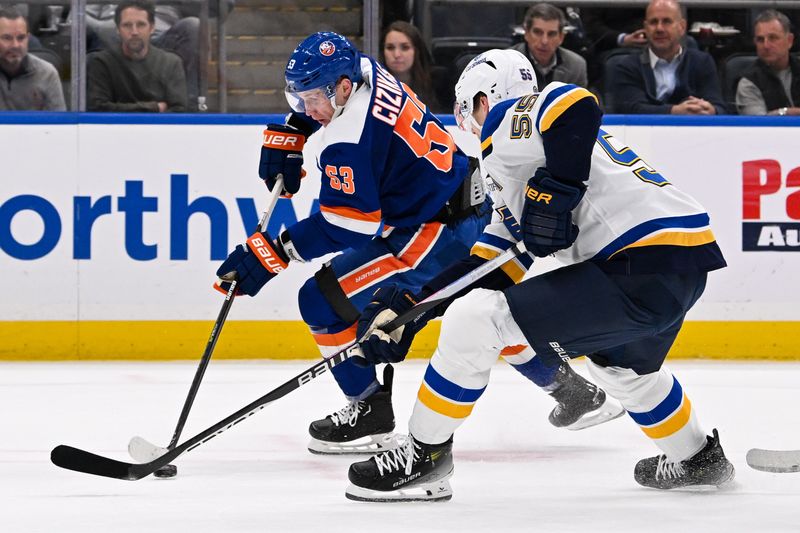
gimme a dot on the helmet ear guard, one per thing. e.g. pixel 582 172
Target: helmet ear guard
pixel 499 74
pixel 319 62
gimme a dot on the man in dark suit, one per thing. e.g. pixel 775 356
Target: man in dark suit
pixel 666 78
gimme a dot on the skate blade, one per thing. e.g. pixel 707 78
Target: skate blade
pixel 438 491
pixel 610 410
pixel 366 445
pixel 726 481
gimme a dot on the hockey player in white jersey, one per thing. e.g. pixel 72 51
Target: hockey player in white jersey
pixel 636 252
pixel 388 167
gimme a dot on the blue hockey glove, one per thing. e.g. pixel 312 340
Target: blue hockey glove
pixel 547 214
pixel 282 155
pixel 377 345
pixel 254 265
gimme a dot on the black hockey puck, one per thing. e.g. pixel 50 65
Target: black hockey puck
pixel 166 471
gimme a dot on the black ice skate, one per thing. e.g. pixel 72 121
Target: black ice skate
pixel 707 468
pixel 581 403
pixel 411 471
pixel 360 427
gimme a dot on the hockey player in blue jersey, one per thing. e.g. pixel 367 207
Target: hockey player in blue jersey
pixel 636 251
pixel 398 199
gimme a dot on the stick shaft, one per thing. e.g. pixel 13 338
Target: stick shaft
pixel 220 322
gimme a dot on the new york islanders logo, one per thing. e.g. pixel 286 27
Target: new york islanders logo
pixel 327 48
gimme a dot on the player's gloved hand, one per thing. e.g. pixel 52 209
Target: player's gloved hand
pixel 253 266
pixel 547 214
pixel 377 345
pixel 282 155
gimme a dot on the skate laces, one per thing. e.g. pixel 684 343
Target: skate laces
pixel 347 415
pixel 401 456
pixel 666 469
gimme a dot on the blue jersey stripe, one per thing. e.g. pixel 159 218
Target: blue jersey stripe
pixel 495 241
pixel 448 389
pixel 646 228
pixel 663 410
pixel 495 117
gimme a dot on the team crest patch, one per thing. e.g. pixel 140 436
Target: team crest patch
pixel 327 48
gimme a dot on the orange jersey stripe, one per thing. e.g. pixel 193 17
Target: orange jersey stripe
pixel 416 249
pixel 350 212
pixel 342 338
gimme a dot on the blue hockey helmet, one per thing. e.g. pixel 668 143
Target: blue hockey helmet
pixel 319 62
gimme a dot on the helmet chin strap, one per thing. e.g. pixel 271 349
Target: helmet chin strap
pixel 338 109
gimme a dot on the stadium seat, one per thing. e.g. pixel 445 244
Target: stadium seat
pixel 610 60
pixel 732 70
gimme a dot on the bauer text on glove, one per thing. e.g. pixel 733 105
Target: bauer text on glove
pixel 253 265
pixel 547 213
pixel 282 155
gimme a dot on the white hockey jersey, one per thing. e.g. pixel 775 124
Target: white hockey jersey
pixel 631 218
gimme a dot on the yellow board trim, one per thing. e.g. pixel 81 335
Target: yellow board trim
pixel 442 406
pixel 673 423
pixel 171 340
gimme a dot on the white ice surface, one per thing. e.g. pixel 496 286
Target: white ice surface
pixel 514 472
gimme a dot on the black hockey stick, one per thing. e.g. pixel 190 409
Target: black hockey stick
pixel 139 448
pixel 89 463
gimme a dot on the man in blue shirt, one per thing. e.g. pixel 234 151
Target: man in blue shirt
pixel 666 78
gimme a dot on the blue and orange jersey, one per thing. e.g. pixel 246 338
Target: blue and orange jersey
pixel 386 159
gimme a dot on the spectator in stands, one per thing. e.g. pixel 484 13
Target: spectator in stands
pixel 135 76
pixel 177 30
pixel 666 77
pixel 609 28
pixel 26 82
pixel 405 55
pixel 772 85
pixel 544 34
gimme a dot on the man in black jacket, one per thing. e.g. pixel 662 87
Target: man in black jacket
pixel 666 78
pixel 772 85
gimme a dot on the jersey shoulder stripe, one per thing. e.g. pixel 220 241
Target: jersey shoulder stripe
pixel 492 122
pixel 557 101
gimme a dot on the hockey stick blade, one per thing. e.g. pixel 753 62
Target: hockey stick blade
pixel 144 451
pixel 775 461
pixel 79 460
pixel 89 463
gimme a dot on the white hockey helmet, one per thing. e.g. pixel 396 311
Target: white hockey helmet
pixel 500 75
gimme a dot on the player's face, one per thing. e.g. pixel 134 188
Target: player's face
pixel 317 105
pixel 664 26
pixel 134 31
pixel 398 52
pixel 543 38
pixel 13 43
pixel 772 43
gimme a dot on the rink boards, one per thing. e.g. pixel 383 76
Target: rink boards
pixel 112 226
